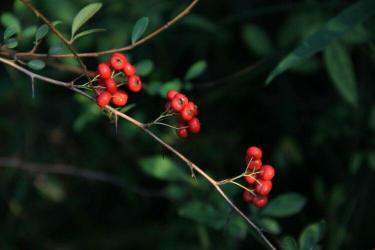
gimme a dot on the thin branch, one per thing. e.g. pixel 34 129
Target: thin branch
pixel 105 52
pixel 63 169
pixel 142 126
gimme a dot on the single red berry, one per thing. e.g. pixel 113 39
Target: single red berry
pixel 103 99
pixel 120 98
pixel 247 196
pixel 260 201
pixel 264 187
pixel 179 102
pixel 129 69
pixel 194 125
pixel 267 172
pixel 254 152
pixel 187 113
pixel 134 83
pixel 194 107
pixel 250 179
pixel 118 61
pixel 182 131
pixel 104 70
pixel 111 85
pixel 253 164
pixel 171 93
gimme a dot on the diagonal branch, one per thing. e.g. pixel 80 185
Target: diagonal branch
pixel 142 126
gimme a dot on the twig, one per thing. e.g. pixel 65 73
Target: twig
pixel 140 125
pixel 105 52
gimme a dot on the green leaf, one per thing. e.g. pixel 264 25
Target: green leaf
pixel 86 32
pixel 173 84
pixel 139 28
pixel 289 243
pixel 55 49
pixel 84 15
pixel 340 69
pixel 162 168
pixel 36 64
pixel 257 40
pixel 195 70
pixel 41 32
pixel 50 187
pixel 127 108
pixel 285 205
pixel 144 67
pixel 10 20
pixel 29 32
pixel 311 235
pixel 333 29
pixel 11 43
pixel 355 162
pixel 9 32
pixel 270 225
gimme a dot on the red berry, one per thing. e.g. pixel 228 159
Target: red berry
pixel 264 187
pixel 182 130
pixel 260 201
pixel 250 179
pixel 118 61
pixel 254 164
pixel 194 125
pixel 179 102
pixel 120 98
pixel 254 152
pixel 267 172
pixel 103 99
pixel 171 94
pixel 247 196
pixel 104 70
pixel 194 107
pixel 129 69
pixel 187 113
pixel 134 83
pixel 111 85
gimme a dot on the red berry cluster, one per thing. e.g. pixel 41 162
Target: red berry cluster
pixel 108 88
pixel 187 111
pixel 258 177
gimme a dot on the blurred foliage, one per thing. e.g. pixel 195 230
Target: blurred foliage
pixel 315 123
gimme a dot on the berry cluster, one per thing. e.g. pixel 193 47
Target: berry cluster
pixel 108 88
pixel 187 111
pixel 258 177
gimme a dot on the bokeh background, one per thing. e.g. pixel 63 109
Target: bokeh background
pixel 314 122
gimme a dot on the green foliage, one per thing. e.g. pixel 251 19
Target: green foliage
pixel 139 28
pixel 195 70
pixel 41 32
pixel 311 236
pixel 257 40
pixel 36 64
pixel 144 67
pixel 285 205
pixel 85 14
pixel 289 243
pixel 162 168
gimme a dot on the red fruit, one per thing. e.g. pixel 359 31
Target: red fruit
pixel 264 187
pixel 111 85
pixel 247 196
pixel 120 98
pixel 254 152
pixel 254 164
pixel 171 94
pixel 129 69
pixel 182 131
pixel 267 172
pixel 194 125
pixel 179 102
pixel 250 179
pixel 194 107
pixel 118 61
pixel 103 99
pixel 260 201
pixel 187 113
pixel 104 70
pixel 134 83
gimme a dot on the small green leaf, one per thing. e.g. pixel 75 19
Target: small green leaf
pixel 289 243
pixel 340 69
pixel 50 187
pixel 29 32
pixel 195 70
pixel 127 108
pixel 355 162
pixel 285 205
pixel 270 225
pixel 55 23
pixel 144 67
pixel 139 28
pixel 84 15
pixel 87 32
pixel 10 20
pixel 171 85
pixel 9 32
pixel 162 168
pixel 332 30
pixel 11 43
pixel 36 64
pixel 41 32
pixel 55 49
pixel 257 40
pixel 311 235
